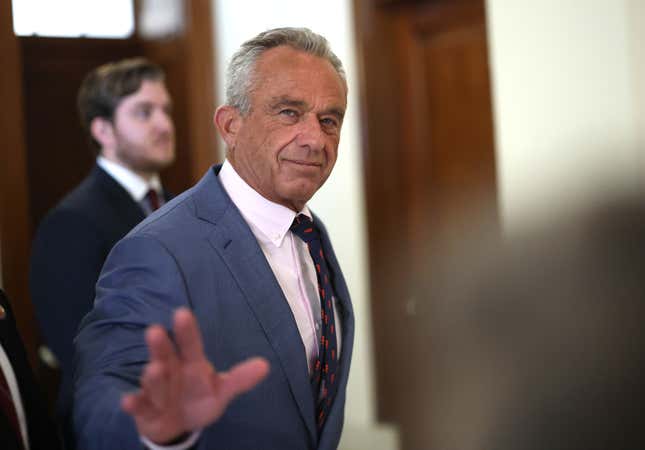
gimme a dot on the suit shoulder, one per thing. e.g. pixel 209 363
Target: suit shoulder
pixel 191 214
pixel 66 217
pixel 75 220
pixel 85 198
pixel 177 213
pixel 99 203
pixel 91 192
pixel 320 225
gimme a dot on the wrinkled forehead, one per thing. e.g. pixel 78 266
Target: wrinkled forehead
pixel 296 69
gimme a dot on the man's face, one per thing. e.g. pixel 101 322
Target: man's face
pixel 286 145
pixel 143 130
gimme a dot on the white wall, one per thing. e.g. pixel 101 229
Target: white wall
pixel 340 202
pixel 636 27
pixel 565 103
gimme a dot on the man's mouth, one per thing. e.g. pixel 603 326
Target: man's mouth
pixel 303 163
pixel 163 139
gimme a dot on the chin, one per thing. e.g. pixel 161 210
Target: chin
pixel 163 161
pixel 300 197
pixel 156 165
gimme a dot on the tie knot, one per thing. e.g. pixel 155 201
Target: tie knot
pixel 304 228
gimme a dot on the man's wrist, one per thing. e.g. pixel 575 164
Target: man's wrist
pixel 183 442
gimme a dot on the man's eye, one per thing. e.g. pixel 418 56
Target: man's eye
pixel 329 122
pixel 289 113
pixel 143 113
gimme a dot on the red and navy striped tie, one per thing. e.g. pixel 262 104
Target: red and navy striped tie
pixel 325 368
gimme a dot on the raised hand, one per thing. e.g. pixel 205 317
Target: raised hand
pixel 181 391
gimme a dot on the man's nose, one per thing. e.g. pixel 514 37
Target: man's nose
pixel 163 120
pixel 311 133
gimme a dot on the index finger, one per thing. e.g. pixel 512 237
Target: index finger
pixel 159 345
pixel 188 336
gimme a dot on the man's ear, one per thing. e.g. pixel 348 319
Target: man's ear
pixel 103 132
pixel 228 120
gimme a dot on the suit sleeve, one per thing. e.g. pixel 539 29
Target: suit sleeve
pixel 140 284
pixel 66 260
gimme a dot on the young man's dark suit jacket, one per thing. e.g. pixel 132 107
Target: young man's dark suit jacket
pixel 198 252
pixel 41 430
pixel 68 252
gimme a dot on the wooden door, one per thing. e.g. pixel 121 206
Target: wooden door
pixel 429 169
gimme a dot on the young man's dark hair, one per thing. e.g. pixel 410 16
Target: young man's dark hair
pixel 104 87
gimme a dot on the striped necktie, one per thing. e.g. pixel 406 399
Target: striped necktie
pixel 326 366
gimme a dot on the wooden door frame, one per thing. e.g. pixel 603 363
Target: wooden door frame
pixel 380 41
pixel 15 229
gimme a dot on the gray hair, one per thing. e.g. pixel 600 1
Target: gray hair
pixel 239 76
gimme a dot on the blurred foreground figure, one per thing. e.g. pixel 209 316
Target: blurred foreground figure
pixel 539 343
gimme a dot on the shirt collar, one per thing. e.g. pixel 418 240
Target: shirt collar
pixel 136 186
pixel 270 219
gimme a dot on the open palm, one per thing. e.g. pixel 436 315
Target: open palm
pixel 181 391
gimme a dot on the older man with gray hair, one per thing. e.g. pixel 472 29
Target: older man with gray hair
pixel 223 320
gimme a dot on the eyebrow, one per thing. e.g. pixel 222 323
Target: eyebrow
pixel 278 102
pixel 339 113
pixel 150 103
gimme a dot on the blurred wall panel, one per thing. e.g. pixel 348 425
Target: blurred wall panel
pixel 636 14
pixel 567 117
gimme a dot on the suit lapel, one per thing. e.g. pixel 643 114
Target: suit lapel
pixel 233 240
pixel 124 207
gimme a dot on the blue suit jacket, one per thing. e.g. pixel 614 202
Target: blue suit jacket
pixel 198 251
